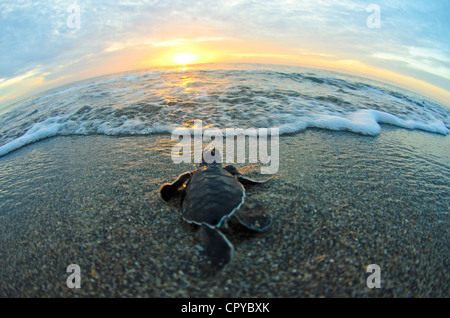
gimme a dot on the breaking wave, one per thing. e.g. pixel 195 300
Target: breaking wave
pixel 291 99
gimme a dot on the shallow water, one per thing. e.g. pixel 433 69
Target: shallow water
pixel 221 96
pixel 340 201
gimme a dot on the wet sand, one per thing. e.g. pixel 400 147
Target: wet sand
pixel 340 202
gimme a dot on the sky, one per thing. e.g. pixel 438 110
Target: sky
pixel 45 44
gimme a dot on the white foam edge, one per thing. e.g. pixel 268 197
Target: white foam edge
pixel 57 126
pixel 365 122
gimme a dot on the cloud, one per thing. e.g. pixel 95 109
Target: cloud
pixel 185 41
pixel 428 53
pixel 283 56
pixel 35 34
pixel 11 81
pixel 423 59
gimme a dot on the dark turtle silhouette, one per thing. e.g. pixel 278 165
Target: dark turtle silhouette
pixel 211 196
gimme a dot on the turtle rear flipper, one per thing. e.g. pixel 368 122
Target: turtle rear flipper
pixel 254 220
pixel 167 190
pixel 217 247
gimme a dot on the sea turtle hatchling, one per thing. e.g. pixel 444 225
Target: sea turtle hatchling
pixel 211 196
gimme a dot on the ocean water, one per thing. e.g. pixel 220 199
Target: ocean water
pixel 156 101
pixel 340 201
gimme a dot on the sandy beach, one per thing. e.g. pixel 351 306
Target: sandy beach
pixel 340 201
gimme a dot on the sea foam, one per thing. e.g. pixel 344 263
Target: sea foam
pixel 291 100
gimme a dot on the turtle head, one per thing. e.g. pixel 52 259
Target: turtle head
pixel 211 156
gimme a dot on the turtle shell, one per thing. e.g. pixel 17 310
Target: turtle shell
pixel 211 196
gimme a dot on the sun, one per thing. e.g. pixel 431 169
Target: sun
pixel 184 58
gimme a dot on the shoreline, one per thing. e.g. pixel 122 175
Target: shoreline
pixel 339 201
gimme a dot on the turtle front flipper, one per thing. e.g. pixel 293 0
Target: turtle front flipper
pixel 217 247
pixel 167 190
pixel 254 220
pixel 242 179
pixel 248 181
